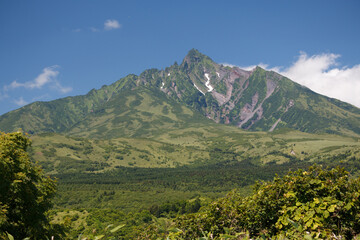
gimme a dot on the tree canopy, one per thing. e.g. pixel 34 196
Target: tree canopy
pixel 314 204
pixel 25 192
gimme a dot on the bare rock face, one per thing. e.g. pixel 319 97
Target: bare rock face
pixel 239 94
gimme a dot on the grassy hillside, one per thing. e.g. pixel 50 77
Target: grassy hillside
pixel 208 160
pixel 199 146
pixel 139 113
pixel 61 114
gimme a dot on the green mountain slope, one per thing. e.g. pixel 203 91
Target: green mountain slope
pixel 202 145
pixel 141 112
pixel 181 95
pixel 60 115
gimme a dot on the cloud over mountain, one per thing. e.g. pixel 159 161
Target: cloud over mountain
pixel 20 101
pixel 321 74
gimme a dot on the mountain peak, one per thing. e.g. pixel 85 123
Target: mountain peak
pixel 193 53
pixel 194 56
pixel 255 100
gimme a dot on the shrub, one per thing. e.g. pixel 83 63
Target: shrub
pixel 319 202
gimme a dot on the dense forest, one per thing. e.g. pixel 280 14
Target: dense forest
pixel 228 200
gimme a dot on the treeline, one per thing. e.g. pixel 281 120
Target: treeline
pixel 228 174
pixel 139 188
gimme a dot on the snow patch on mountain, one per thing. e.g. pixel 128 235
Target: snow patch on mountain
pixel 207 84
pixel 199 89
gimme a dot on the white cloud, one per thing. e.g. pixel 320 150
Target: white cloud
pixel 321 74
pixel 20 102
pixel 47 77
pixel 251 67
pixel 93 29
pixel 111 24
pixel 62 89
pixel 229 65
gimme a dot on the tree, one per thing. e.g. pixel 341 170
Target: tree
pixel 25 192
pixel 317 202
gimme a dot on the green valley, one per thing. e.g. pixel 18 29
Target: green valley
pixel 149 149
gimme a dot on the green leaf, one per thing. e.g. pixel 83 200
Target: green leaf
pixel 10 236
pixel 311 213
pixel 348 206
pixel 109 226
pixel 117 228
pixel 308 237
pixel 290 194
pixel 295 224
pixel 315 226
pixel 331 208
pixel 99 237
pixel 174 230
pixel 79 237
pixel 309 223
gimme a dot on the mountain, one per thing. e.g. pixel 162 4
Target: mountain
pixel 194 92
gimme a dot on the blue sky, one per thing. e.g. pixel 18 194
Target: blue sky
pixel 54 49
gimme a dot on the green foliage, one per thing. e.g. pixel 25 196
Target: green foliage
pixel 161 228
pixel 140 188
pixel 321 202
pixel 221 87
pixel 25 193
pixel 108 233
pixel 172 209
